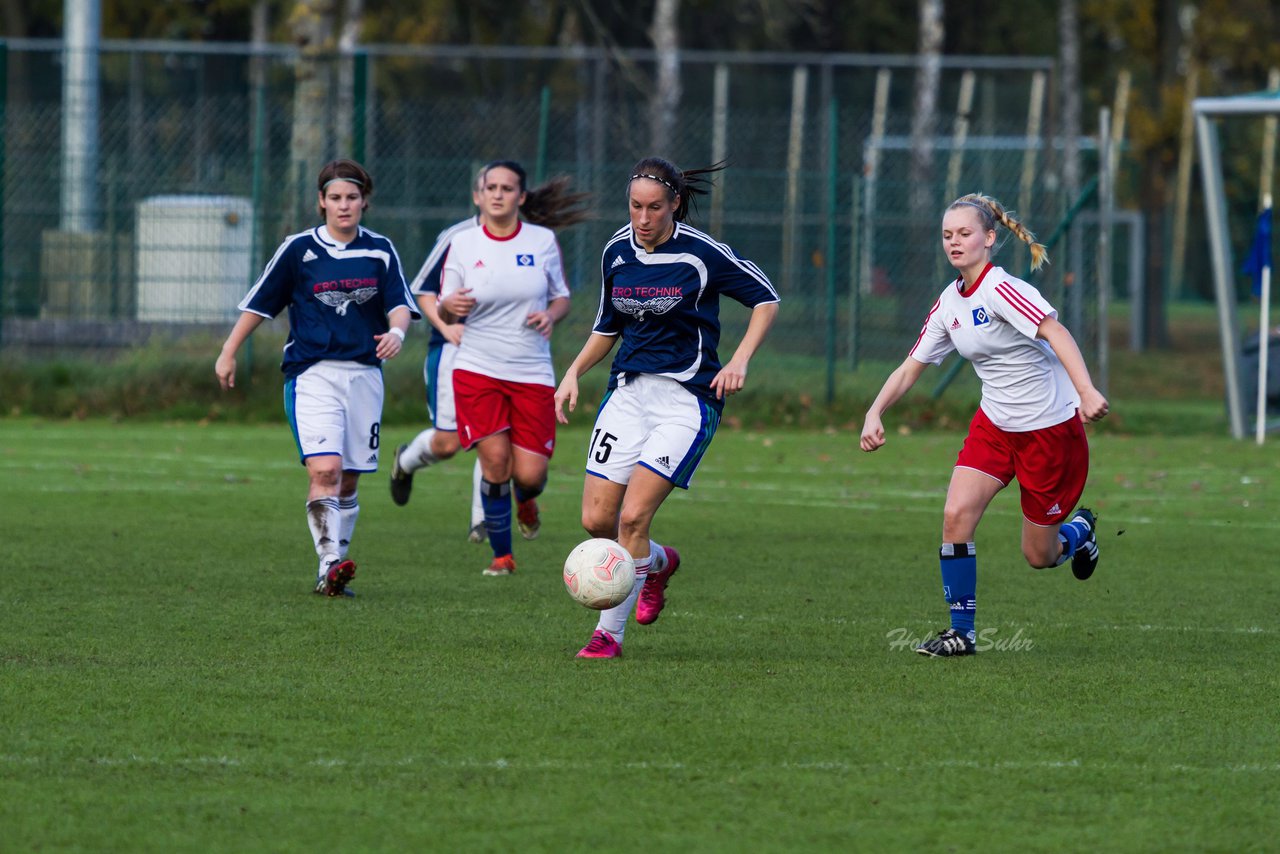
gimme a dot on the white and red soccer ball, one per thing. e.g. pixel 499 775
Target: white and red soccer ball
pixel 599 574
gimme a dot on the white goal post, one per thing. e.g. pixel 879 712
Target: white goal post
pixel 1261 104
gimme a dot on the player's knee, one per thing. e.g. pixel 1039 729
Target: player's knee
pixel 445 445
pixel 327 477
pixel 1038 558
pixel 957 523
pixel 599 525
pixel 633 526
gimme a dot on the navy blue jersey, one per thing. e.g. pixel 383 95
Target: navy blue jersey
pixel 338 296
pixel 428 279
pixel 666 304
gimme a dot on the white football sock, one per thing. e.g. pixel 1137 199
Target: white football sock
pixel 477 509
pixel 325 521
pixel 614 620
pixel 348 511
pixel 659 556
pixel 417 454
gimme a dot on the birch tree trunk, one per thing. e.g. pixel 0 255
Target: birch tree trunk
pixel 665 101
pixel 920 246
pixel 312 23
pixel 348 40
pixel 1069 93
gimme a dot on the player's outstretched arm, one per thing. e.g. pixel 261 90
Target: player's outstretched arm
pixel 733 376
pixel 1093 406
pixel 225 366
pixel 390 342
pixel 898 384
pixel 596 348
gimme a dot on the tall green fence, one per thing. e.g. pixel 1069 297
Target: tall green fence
pixel 206 159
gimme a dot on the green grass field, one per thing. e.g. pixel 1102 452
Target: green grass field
pixel 169 682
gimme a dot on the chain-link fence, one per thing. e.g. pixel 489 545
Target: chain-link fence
pixel 202 158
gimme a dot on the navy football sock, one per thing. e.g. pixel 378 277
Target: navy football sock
pixel 1071 535
pixel 496 498
pixel 959 565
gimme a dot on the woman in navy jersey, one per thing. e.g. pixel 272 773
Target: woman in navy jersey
pixel 506 279
pixel 1036 392
pixel 349 308
pixel 661 286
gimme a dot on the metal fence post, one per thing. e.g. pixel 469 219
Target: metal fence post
pixel 4 99
pixel 833 116
pixel 360 98
pixel 544 117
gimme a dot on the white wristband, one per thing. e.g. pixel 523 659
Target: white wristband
pixel 398 332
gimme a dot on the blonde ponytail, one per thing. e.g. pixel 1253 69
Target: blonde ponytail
pixel 993 212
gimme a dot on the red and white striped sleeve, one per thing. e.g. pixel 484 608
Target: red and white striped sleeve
pixel 1021 306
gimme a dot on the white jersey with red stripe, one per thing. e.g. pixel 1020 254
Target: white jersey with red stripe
pixel 510 278
pixel 993 324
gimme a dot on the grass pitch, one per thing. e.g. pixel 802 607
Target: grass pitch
pixel 169 682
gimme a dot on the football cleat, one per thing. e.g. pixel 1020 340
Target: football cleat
pixel 529 519
pixel 478 533
pixel 335 579
pixel 653 595
pixel 947 644
pixel 401 480
pixel 505 565
pixel 1085 560
pixel 601 645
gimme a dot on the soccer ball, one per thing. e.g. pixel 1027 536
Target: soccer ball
pixel 599 574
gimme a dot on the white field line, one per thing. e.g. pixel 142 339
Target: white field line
pixel 535 765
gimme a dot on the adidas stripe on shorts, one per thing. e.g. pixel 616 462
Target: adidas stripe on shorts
pixel 335 408
pixel 654 422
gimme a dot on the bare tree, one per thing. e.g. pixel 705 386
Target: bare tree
pixel 312 23
pixel 665 100
pixel 1069 94
pixel 348 39
pixel 918 271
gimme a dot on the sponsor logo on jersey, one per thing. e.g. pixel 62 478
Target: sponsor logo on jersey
pixel 340 294
pixel 643 300
pixel 309 256
pixel 617 262
pixel 980 316
pixel 955 323
pixel 476 266
pixel 1054 510
pixel 524 260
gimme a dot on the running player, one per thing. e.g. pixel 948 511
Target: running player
pixel 349 308
pixel 440 441
pixel 506 279
pixel 1036 394
pixel 661 286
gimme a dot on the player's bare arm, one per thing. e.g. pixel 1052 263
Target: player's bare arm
pixel 390 342
pixel 1093 406
pixel 545 321
pixel 898 384
pixel 596 348
pixel 429 305
pixel 225 366
pixel 457 305
pixel 733 375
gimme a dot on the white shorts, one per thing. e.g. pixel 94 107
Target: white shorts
pixel 654 422
pixel 335 408
pixel 437 373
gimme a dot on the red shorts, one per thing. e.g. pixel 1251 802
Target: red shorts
pixel 486 406
pixel 1051 464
